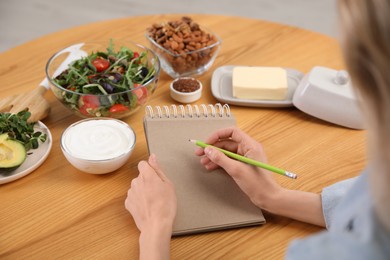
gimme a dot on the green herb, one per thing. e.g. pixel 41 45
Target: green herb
pixel 17 128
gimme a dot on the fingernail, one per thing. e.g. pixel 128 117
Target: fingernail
pixel 141 164
pixel 153 157
pixel 208 151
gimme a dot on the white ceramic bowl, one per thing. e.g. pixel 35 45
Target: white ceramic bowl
pixel 186 97
pixel 98 146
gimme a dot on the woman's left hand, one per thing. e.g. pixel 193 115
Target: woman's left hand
pixel 151 199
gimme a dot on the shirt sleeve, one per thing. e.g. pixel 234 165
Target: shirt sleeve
pixel 354 233
pixel 331 196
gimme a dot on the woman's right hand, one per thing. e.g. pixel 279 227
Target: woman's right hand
pixel 257 183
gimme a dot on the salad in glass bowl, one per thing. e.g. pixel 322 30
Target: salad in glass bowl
pixel 99 79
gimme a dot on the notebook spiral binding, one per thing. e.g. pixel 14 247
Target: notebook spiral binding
pixel 190 111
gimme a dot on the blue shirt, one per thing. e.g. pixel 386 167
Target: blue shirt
pixel 354 232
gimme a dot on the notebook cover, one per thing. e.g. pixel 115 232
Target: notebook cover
pixel 206 200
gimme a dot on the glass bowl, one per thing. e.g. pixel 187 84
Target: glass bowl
pixel 103 79
pixel 186 62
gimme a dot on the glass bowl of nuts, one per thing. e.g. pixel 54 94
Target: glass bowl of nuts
pixel 184 48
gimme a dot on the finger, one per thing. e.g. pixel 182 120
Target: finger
pixel 146 172
pixel 133 183
pixel 225 133
pixel 241 143
pixel 227 145
pixel 218 158
pixel 128 203
pixel 224 144
pixel 131 195
pixel 209 165
pixel 142 165
pixel 154 164
pixel 134 189
pixel 199 151
pixel 205 160
pixel 256 153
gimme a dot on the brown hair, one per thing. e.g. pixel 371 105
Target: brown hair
pixel 365 33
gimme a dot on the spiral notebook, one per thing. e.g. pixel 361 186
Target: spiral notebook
pixel 207 201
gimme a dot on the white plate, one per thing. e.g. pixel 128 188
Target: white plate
pixel 222 89
pixel 34 158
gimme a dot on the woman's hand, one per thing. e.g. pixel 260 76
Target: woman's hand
pixel 257 183
pixel 151 200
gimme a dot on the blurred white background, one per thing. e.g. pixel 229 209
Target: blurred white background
pixel 24 20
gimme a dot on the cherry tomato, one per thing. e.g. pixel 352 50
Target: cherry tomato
pixel 86 109
pixel 88 103
pixel 135 55
pixel 100 64
pixel 141 93
pixel 118 108
pixel 91 100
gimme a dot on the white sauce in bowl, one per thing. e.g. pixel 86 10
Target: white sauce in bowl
pixel 98 139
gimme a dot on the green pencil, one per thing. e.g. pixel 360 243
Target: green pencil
pixel 248 160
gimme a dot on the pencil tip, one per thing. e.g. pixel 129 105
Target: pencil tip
pixel 190 140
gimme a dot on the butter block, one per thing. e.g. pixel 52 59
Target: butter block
pixel 262 83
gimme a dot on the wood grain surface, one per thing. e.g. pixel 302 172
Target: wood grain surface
pixel 57 212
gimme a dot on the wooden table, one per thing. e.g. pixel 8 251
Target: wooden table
pixel 57 212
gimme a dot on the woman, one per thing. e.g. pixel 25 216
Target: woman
pixel 356 211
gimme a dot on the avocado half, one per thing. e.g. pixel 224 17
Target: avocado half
pixel 12 153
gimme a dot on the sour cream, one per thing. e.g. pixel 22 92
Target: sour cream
pixel 98 139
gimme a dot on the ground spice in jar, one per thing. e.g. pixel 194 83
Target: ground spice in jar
pixel 186 85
